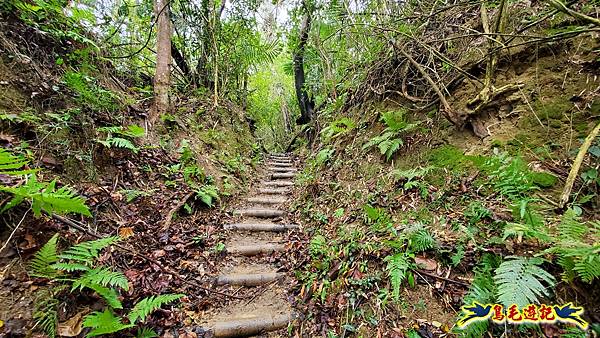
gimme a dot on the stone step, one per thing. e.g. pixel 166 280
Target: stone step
pixel 267 200
pixel 255 248
pixel 259 212
pixel 282 169
pixel 280 164
pixel 282 175
pixel 245 327
pixel 278 183
pixel 248 279
pixel 274 227
pixel 274 191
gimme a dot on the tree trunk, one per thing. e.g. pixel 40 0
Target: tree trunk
pixel 162 79
pixel 307 105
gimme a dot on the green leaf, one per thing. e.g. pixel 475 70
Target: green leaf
pixel 103 323
pixel 103 277
pixel 143 308
pixel 42 263
pixel 87 252
pixel 521 281
pixel 397 268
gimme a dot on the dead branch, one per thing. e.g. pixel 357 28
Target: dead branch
pixel 176 208
pixel 560 6
pixel 447 109
pixel 564 198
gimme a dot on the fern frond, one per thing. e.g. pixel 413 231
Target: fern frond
pixel 421 240
pixel 397 268
pixel 45 314
pixel 519 281
pixel 122 143
pixel 70 267
pixel 571 227
pixel 146 332
pixel 101 276
pixel 143 308
pixel 134 131
pixel 111 129
pixel 103 323
pixel 60 201
pixel 44 196
pixel 41 264
pixel 87 252
pixel 108 294
pixel 588 267
pixel 10 162
pixel 483 290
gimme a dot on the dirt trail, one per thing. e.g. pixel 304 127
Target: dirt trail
pixel 250 244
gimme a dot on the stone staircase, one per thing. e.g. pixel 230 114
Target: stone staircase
pixel 249 243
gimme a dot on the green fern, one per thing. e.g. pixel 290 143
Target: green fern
pixel 390 141
pixel 133 131
pixel 103 323
pixel 146 332
pixel 483 290
pixel 208 194
pixel 576 256
pixel 143 308
pixel 119 142
pixel 42 261
pixel 101 276
pixel 510 176
pixel 108 294
pixel 45 196
pixel 397 268
pixel 45 313
pixel 87 252
pixel 337 128
pixel 520 281
pixel 571 228
pixel 530 223
pixel 10 162
pixel 421 240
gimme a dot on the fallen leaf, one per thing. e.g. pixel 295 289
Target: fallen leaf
pixel 158 253
pixel 72 327
pixel 426 263
pixel 28 243
pixel 1 323
pixel 126 232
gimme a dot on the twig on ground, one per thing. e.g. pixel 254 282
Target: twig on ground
pixel 14 230
pixel 442 278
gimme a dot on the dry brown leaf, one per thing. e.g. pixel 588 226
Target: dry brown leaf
pixel 126 232
pixel 73 326
pixel 426 263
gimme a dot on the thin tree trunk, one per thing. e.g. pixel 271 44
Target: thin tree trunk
pixel 305 102
pixel 162 79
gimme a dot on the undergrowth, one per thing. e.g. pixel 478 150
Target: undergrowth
pixel 76 267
